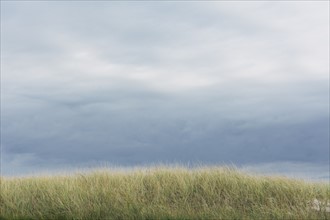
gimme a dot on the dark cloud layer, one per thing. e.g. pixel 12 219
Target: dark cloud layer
pixel 135 83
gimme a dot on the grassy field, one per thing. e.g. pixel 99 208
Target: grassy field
pixel 161 193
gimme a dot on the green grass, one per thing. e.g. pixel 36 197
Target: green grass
pixel 161 193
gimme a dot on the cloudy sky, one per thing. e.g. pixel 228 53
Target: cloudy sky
pixel 138 83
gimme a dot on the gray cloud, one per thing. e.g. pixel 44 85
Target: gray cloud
pixel 146 82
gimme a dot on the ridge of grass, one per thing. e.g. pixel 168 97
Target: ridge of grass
pixel 161 193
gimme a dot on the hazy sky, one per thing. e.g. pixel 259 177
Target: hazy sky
pixel 137 83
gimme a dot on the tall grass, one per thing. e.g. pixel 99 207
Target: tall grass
pixel 161 193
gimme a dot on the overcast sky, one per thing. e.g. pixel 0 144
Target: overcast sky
pixel 138 83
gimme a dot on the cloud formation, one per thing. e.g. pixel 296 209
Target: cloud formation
pixel 133 83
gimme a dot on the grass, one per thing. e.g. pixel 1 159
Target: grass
pixel 161 193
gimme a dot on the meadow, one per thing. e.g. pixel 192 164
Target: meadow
pixel 162 193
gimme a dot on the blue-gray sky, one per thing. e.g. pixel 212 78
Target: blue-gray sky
pixel 136 83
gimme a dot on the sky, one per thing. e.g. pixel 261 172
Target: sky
pixel 139 83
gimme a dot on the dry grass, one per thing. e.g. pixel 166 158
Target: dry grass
pixel 161 193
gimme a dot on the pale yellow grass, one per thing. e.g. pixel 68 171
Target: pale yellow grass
pixel 161 193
